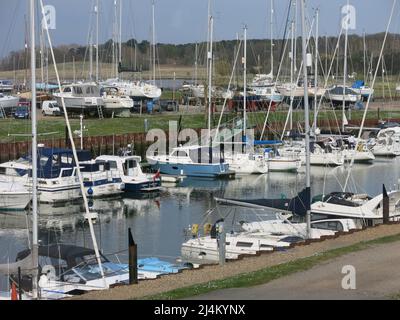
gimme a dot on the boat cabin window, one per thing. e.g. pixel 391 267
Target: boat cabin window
pixel 328 225
pixel 244 244
pixel 67 89
pixel 78 90
pixel 129 164
pixel 179 153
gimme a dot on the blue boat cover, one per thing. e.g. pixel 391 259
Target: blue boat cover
pixel 358 84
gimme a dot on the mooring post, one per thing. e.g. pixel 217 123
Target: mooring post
pixel 133 276
pixel 221 243
pixel 385 206
pixel 19 284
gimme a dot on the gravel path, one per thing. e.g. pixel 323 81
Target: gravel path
pixel 247 264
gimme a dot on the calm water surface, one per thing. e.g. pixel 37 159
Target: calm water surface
pixel 158 222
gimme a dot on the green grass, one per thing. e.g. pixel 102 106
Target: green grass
pixel 108 126
pixel 271 273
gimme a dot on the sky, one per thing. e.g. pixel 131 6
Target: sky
pixel 184 21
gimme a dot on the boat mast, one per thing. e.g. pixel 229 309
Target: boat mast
pixel 97 40
pixel 35 243
pixel 316 72
pixel 208 33
pixel 295 39
pixel 365 74
pixel 120 32
pixel 306 117
pixel 272 37
pixel 195 64
pixel 90 57
pixel 210 60
pixel 245 82
pixel 345 69
pixel 154 43
pixel 115 39
pixel 291 79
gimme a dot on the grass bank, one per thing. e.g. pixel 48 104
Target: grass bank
pixel 195 120
pixel 271 273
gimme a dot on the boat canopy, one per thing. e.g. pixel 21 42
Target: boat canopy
pixel 358 84
pixel 267 142
pixel 297 205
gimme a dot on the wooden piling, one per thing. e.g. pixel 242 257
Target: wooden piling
pixel 133 274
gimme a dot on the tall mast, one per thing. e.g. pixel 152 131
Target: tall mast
pixel 291 78
pixel 120 32
pixel 208 34
pixel 195 64
pixel 365 74
pixel 245 82
pixel 345 70
pixel 272 37
pixel 97 40
pixel 35 243
pixel 154 43
pixel 115 48
pixel 306 116
pixel 316 71
pixel 90 57
pixel 295 39
pixel 210 63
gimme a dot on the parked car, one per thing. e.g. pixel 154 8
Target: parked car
pixel 51 108
pixel 22 112
pixel 168 105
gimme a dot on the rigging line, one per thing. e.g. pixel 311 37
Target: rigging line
pixel 297 81
pixel 372 86
pixel 273 90
pixel 229 87
pixel 74 152
pixel 286 25
pixel 327 79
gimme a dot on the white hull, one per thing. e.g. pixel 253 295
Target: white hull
pixel 8 101
pixel 246 164
pixel 359 156
pixel 14 201
pixel 283 164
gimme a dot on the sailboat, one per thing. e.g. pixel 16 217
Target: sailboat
pixel 136 90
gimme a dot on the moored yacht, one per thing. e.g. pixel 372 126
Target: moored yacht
pixel 128 169
pixel 195 161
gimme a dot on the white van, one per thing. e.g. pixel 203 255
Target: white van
pixel 50 108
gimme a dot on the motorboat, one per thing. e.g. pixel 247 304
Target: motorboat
pixel 205 249
pixel 115 103
pixel 6 85
pixel 14 196
pixel 319 228
pixel 99 179
pixel 127 168
pixel 195 161
pixel 357 206
pixel 7 102
pixel 336 95
pixel 386 143
pixel 81 97
pixel 137 90
pixel 57 180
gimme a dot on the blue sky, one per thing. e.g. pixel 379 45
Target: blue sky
pixel 182 21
